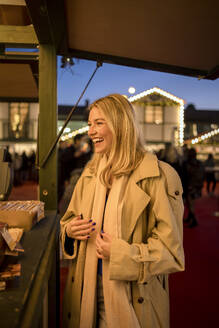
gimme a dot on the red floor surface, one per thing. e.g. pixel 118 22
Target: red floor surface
pixel 194 293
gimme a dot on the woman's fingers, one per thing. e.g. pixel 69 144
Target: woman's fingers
pixel 80 233
pixel 100 256
pixel 103 245
pixel 83 224
pixel 83 227
pixel 83 237
pixel 83 232
pixel 78 222
pixel 79 228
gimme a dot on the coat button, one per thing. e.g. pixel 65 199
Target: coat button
pixel 72 279
pixel 177 192
pixel 69 315
pixel 140 300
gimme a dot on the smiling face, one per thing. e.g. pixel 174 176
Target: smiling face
pixel 99 131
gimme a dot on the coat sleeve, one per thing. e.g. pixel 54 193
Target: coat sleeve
pixel 163 251
pixel 69 245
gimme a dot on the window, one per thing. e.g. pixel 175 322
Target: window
pixel 154 114
pixel 18 120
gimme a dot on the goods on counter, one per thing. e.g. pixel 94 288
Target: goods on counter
pixel 21 214
pixel 9 245
pixel 9 274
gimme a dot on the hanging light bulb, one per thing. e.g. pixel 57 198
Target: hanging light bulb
pixel 65 61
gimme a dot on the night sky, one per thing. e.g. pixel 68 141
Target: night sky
pixel 204 94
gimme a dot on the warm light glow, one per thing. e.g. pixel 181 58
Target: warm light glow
pixel 171 97
pixel 156 90
pixel 74 133
pixel 66 130
pixel 205 136
pixel 131 90
pixel 181 123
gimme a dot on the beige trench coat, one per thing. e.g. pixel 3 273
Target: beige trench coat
pixel 151 246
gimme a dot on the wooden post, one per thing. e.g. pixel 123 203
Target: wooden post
pixel 47 125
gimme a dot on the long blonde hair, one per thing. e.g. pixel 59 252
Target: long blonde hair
pixel 127 148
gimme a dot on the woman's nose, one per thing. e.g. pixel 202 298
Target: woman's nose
pixel 91 130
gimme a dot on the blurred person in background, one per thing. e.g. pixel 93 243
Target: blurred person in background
pixel 170 155
pixel 24 167
pixel 193 179
pixel 210 175
pixel 84 152
pixel 32 166
pixel 17 163
pixel 81 157
pixel 66 162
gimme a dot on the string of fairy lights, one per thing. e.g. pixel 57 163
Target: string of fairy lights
pixel 74 133
pixel 205 136
pixel 179 101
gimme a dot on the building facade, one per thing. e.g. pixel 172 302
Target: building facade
pixel 160 117
pixel 202 131
pixel 19 124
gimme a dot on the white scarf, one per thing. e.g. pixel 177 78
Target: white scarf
pixel 118 307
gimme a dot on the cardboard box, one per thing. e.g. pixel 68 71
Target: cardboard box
pixel 21 214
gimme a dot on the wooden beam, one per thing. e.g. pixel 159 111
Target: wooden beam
pixel 13 2
pixel 48 125
pixel 21 99
pixel 19 58
pixel 111 59
pixel 49 22
pixel 18 35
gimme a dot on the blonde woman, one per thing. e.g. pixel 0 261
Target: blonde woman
pixel 123 228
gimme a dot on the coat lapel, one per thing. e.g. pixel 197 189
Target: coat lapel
pixel 136 199
pixel 135 202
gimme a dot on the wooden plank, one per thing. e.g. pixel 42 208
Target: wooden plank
pixel 49 21
pixel 132 62
pixel 18 35
pixel 48 125
pixel 13 2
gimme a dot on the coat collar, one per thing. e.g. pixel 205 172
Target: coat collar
pixel 146 169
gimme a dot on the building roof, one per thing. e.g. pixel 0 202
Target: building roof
pixel 191 114
pixel 80 113
pixel 156 90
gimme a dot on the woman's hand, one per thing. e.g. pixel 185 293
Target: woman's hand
pixel 79 228
pixel 103 245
